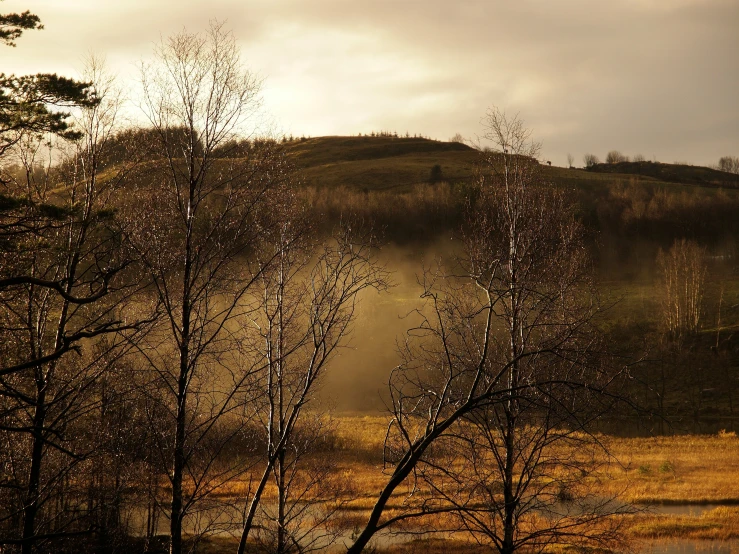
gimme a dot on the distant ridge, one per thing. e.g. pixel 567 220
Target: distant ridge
pixel 399 163
pixel 671 173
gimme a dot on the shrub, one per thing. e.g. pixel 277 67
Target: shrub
pixel 436 174
pixel 614 157
pixel 590 160
pixel 730 164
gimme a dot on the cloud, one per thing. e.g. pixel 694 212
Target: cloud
pixel 645 75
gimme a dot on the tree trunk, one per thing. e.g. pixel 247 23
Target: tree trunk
pixel 282 500
pixel 509 524
pixel 178 462
pixel 175 527
pixel 30 509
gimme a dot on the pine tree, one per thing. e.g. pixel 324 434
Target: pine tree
pixel 27 101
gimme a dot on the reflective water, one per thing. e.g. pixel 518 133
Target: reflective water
pixel 693 510
pixel 689 546
pixel 222 520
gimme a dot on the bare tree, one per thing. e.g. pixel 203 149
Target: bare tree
pixel 570 160
pixel 590 160
pixel 503 370
pixel 204 221
pixel 35 211
pixel 614 157
pixel 306 305
pixel 682 279
pixel 730 164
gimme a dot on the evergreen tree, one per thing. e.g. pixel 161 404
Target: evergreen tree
pixel 35 103
pixel 12 25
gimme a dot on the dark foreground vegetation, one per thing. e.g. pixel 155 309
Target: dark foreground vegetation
pixel 171 298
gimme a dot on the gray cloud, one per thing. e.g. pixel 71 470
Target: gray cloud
pixel 657 77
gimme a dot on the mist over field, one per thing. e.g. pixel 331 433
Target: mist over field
pixel 626 273
pixel 359 383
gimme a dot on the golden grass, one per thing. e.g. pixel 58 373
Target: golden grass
pixel 433 546
pixel 670 470
pixel 679 469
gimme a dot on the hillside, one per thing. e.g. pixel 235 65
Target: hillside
pixel 333 149
pixel 379 163
pixel 672 173
pixel 385 163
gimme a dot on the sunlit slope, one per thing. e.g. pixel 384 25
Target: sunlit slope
pixel 671 173
pixel 387 163
pixel 399 165
pixel 379 163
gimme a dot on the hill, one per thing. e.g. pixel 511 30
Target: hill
pixel 397 164
pixel 387 180
pixel 333 149
pixel 379 163
pixel 672 173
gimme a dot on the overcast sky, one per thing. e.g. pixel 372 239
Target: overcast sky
pixel 655 77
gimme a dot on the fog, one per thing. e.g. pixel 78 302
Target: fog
pixel 624 268
pixel 358 378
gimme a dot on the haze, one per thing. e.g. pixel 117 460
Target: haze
pixel 658 78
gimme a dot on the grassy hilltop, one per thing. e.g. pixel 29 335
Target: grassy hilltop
pixel 389 163
pixel 379 163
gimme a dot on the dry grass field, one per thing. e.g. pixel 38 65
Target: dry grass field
pixel 658 475
pixel 681 469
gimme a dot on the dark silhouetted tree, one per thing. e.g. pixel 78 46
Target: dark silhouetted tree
pixel 27 101
pixel 730 164
pixel 64 288
pixel 436 174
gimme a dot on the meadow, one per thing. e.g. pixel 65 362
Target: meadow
pixel 682 488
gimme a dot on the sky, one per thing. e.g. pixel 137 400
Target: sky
pixel 658 78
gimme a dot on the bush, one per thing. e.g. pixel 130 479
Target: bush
pixel 436 174
pixel 614 157
pixel 729 164
pixel 590 160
